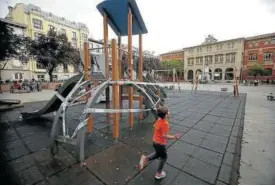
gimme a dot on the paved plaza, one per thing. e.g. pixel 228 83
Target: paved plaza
pixel 208 152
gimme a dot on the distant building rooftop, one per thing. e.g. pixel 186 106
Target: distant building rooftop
pixel 260 36
pixel 15 24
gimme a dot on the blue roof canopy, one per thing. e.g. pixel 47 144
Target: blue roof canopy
pixel 117 12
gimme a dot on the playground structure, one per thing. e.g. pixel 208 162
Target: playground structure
pixel 235 84
pixel 86 89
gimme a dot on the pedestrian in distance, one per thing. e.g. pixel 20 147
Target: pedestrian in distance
pixel 160 136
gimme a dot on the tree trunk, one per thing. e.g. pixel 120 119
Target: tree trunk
pixel 50 72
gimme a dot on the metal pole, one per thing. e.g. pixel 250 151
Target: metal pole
pixel 130 66
pixel 106 52
pixel 140 70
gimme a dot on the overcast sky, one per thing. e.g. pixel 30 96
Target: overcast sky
pixel 173 24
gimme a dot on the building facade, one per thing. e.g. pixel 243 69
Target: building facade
pixel 173 55
pixel 213 59
pixel 14 69
pixel 260 50
pixel 40 22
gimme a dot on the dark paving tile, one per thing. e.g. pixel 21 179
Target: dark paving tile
pixel 115 165
pixel 225 173
pixel 218 127
pixel 218 138
pixel 186 179
pixel 10 135
pixel 179 128
pixel 192 139
pixel 220 183
pixel 74 176
pixel 225 121
pixel 147 176
pixel 184 147
pixel 197 133
pixel 15 153
pixel 213 145
pixel 30 175
pixel 228 159
pixel 204 126
pixel 220 131
pixel 210 118
pixel 202 170
pixel 22 163
pixel 176 158
pixel 231 148
pixel 208 156
pixel 50 165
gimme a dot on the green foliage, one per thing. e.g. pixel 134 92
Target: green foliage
pixel 53 50
pixel 256 70
pixel 170 65
pixel 267 72
pixel 12 45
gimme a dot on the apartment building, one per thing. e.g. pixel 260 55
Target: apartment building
pixel 40 22
pixel 260 50
pixel 172 55
pixel 14 69
pixel 214 59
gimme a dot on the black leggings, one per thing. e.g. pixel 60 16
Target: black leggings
pixel 160 152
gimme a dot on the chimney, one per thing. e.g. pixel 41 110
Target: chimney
pixel 10 8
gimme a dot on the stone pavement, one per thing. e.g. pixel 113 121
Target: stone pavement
pixel 208 152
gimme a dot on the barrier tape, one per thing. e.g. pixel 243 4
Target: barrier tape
pixel 96 110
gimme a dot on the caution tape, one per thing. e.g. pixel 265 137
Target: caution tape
pixel 96 110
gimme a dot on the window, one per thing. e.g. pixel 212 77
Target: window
pixel 267 56
pixel 253 57
pixel 65 68
pixel 190 61
pixel 216 58
pixel 208 49
pixel 221 58
pixel 198 49
pixel 18 76
pixel 84 37
pixel 37 35
pixel 191 51
pixel 41 77
pixel 201 60
pixel 39 66
pixel 256 44
pixel 63 31
pixel 51 28
pixel 266 42
pixel 74 36
pixel 197 60
pixel 250 45
pixel 273 40
pixel 74 45
pixel 229 45
pixel 37 24
pixel 227 57
pixel 233 56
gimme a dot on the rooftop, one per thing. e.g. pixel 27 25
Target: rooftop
pixel 51 17
pixel 174 51
pixel 260 36
pixel 15 24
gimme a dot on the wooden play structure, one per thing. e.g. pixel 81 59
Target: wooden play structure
pixel 124 18
pixel 235 83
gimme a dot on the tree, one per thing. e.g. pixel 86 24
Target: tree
pixel 12 45
pixel 256 70
pixel 173 64
pixel 52 50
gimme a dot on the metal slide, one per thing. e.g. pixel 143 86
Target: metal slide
pixel 55 102
pixel 149 78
